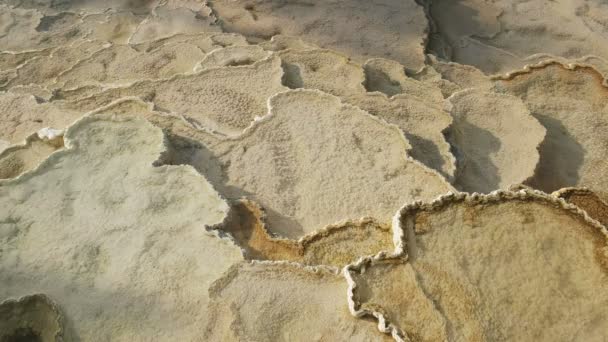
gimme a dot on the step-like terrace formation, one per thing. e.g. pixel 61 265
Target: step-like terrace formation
pixel 182 169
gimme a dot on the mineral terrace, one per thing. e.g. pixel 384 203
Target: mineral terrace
pixel 303 170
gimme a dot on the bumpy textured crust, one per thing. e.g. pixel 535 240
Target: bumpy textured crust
pixel 505 35
pixel 381 88
pixel 23 115
pixel 299 176
pixel 232 56
pixel 136 245
pixel 594 204
pixel 18 159
pixel 117 65
pixel 120 274
pixel 422 237
pixel 45 69
pixel 167 19
pixel 495 138
pixel 389 77
pixel 325 70
pixel 422 123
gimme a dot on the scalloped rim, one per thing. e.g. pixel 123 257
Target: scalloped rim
pixel 59 318
pixel 409 210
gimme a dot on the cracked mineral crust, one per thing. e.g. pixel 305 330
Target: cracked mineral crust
pixel 126 234
pixel 309 176
pixel 303 170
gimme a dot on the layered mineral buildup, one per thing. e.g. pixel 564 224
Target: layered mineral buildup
pixel 303 170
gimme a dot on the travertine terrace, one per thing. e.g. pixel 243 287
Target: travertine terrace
pixel 303 170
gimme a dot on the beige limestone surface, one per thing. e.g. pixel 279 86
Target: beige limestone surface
pixel 422 123
pixel 15 160
pixel 232 56
pixel 160 181
pixel 594 204
pixel 283 302
pixel 118 242
pixel 506 266
pixel 415 107
pixel 335 245
pixel 384 28
pixel 222 100
pixel 495 140
pixel 167 20
pixel 572 104
pixel 308 176
pixel 23 115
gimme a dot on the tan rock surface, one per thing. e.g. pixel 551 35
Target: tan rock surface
pixel 573 107
pixel 349 164
pixel 389 291
pixel 283 42
pixel 454 76
pixel 18 159
pixel 205 41
pixel 113 238
pixel 25 29
pixel 594 204
pixel 495 140
pixel 95 63
pixel 390 78
pixel 232 56
pixel 283 302
pixel 23 115
pixel 44 70
pixel 418 111
pixel 31 318
pixel 167 20
pixel 506 266
pixel 423 123
pixel 385 28
pixel 224 100
pixel 299 167
pixel 198 198
pixel 124 64
pixel 325 70
pixel 498 36
pixel 85 6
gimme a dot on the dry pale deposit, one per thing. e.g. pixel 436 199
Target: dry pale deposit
pixel 572 104
pixel 17 159
pixel 136 232
pixel 290 170
pixel 495 138
pixel 23 114
pixel 222 100
pixel 308 176
pixel 384 28
pixel 335 245
pixel 125 64
pixel 31 318
pixel 415 107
